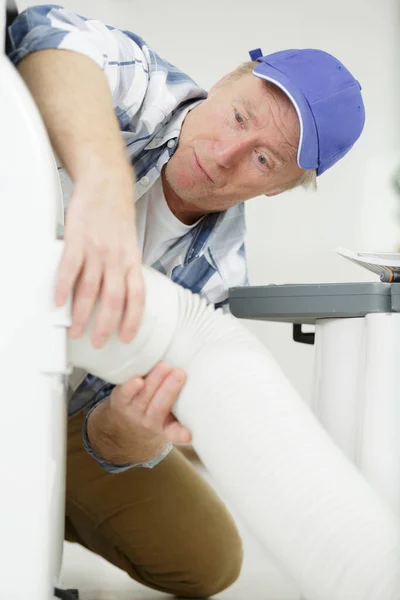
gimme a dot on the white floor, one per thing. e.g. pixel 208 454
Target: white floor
pixel 98 580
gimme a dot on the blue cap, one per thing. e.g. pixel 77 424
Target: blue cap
pixel 327 100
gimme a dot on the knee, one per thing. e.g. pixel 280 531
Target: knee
pixel 195 570
pixel 215 571
pixel 201 571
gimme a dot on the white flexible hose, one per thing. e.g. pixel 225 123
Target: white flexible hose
pixel 305 501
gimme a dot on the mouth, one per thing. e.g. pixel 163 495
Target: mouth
pixel 201 168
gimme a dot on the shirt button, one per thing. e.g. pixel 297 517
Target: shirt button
pixel 171 143
pixel 145 180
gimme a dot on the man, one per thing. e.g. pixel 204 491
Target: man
pixel 111 103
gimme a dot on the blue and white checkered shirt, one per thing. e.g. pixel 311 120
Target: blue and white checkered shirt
pixel 151 99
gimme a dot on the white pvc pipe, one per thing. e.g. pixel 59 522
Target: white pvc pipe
pixel 305 501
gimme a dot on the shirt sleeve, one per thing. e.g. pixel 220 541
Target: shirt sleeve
pixel 110 467
pixel 121 55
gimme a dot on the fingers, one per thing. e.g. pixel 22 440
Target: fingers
pixel 68 271
pixel 129 390
pixel 112 302
pixel 134 305
pixel 176 433
pixel 86 292
pixel 165 397
pixel 150 406
pixel 140 402
pixel 113 305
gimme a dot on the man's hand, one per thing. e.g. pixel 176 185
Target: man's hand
pixel 101 259
pixel 136 423
pixel 147 402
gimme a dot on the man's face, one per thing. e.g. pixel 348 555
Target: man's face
pixel 239 143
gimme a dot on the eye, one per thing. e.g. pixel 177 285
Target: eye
pixel 239 118
pixel 262 159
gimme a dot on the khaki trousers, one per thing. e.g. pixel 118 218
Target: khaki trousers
pixel 164 526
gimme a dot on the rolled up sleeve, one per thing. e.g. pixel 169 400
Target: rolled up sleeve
pixel 119 54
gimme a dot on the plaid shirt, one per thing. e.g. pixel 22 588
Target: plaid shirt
pixel 151 98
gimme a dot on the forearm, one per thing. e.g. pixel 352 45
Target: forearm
pixel 120 444
pixel 74 99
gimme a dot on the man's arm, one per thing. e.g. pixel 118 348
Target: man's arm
pixel 75 102
pixel 67 63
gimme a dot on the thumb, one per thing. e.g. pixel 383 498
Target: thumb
pixel 176 433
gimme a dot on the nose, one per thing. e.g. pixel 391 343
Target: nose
pixel 230 151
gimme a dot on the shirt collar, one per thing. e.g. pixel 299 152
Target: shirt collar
pixel 172 130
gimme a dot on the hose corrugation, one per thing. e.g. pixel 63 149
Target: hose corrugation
pixel 307 504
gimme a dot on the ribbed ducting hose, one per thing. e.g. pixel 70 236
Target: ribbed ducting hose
pixel 307 504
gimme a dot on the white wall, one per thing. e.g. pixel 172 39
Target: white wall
pixel 291 237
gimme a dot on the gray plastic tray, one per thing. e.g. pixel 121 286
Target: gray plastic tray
pixel 305 303
pixel 395 292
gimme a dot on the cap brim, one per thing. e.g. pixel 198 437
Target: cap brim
pixel 308 149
